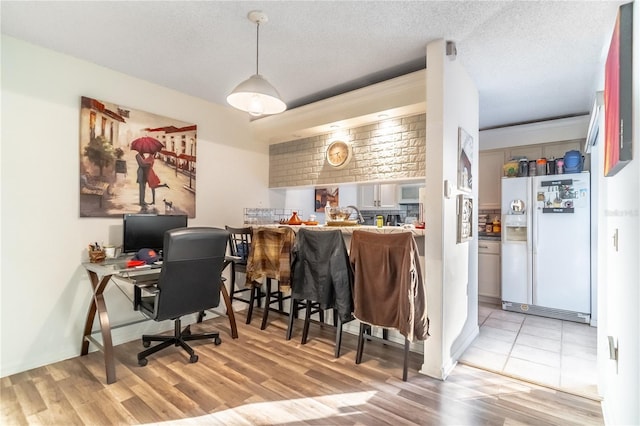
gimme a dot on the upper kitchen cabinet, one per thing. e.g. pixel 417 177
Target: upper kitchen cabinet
pixel 531 152
pixel 546 150
pixel 492 162
pixel 409 193
pixel 557 150
pixel 490 173
pixel 377 196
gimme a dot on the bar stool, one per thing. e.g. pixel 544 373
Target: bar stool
pixel 239 247
pixel 321 279
pixel 388 291
pixel 270 258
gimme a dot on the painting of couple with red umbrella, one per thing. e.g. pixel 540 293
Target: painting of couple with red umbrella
pixel 135 162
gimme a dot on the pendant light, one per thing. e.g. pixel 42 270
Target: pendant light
pixel 256 95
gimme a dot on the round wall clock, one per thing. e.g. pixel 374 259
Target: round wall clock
pixel 339 154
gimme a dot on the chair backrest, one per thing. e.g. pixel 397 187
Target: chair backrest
pixel 388 288
pixel 320 270
pixel 239 242
pixel 270 255
pixel 191 274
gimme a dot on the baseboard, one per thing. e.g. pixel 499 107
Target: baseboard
pixel 489 300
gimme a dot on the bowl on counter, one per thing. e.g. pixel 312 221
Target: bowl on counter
pixel 338 214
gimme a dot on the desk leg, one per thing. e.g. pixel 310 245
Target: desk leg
pixel 230 314
pixel 98 305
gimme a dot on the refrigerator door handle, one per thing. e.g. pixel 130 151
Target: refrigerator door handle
pixel 532 238
pixel 534 216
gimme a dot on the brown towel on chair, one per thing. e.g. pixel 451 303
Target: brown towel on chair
pixel 388 287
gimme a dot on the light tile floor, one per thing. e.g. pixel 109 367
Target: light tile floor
pixel 556 353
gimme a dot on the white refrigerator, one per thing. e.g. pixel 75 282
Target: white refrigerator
pixel 546 246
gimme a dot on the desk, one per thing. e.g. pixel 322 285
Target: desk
pixel 100 275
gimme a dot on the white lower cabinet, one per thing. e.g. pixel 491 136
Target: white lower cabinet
pixel 489 270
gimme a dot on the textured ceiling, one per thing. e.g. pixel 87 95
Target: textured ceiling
pixel 530 60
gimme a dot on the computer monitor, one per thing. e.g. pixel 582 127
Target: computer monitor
pixel 147 230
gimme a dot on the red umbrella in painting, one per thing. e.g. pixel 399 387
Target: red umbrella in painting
pixel 147 145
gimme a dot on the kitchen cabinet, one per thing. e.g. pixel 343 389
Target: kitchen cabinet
pixel 409 193
pixel 491 162
pixel 489 175
pixel 377 196
pixel 557 150
pixel 547 150
pixel 530 152
pixel 489 270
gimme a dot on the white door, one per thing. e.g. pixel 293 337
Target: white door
pixel 561 243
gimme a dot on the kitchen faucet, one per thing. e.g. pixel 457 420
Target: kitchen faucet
pixel 360 218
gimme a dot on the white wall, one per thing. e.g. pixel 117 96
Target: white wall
pixel 619 271
pixel 45 291
pixel 450 269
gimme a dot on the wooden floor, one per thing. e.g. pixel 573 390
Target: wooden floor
pixel 261 378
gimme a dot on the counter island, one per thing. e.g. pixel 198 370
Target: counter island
pixel 348 230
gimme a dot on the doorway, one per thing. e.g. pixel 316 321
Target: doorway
pixel 554 353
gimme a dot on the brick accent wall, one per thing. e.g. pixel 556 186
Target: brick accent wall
pixel 390 149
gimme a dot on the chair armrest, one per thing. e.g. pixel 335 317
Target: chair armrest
pixel 230 259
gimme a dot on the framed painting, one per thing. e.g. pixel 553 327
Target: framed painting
pixel 618 94
pixel 465 218
pixel 135 162
pixel 465 160
pixel 324 195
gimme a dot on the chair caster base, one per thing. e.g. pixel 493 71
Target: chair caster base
pixel 193 358
pixel 142 362
pixel 217 341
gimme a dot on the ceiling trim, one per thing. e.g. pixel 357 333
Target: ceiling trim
pixel 400 96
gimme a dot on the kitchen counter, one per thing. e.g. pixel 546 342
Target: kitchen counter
pixel 349 229
pixel 347 232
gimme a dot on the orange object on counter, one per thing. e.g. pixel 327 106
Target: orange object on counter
pixel 295 219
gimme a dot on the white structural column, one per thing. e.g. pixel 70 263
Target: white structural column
pixel 451 269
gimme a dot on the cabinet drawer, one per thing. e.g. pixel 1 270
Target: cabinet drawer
pixel 488 247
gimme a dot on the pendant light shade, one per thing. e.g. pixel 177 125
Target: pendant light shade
pixel 256 95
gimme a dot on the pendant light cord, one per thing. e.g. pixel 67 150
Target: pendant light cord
pixel 257 44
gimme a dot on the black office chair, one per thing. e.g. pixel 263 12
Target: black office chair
pixel 239 245
pixel 321 278
pixel 189 282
